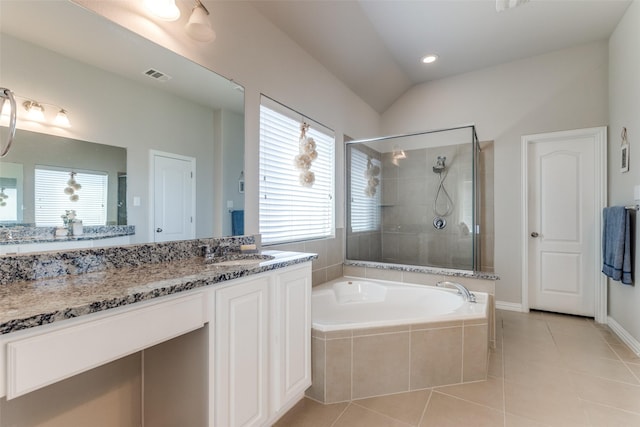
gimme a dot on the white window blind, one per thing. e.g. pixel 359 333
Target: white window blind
pixel 365 210
pixel 291 212
pixel 50 205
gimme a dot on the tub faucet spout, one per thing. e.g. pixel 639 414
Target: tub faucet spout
pixel 462 290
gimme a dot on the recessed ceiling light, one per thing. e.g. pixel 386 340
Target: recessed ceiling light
pixel 429 59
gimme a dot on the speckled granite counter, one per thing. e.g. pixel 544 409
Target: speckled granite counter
pixel 426 270
pixel 26 304
pixel 23 234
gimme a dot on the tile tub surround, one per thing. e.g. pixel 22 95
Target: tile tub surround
pixel 117 281
pixel 26 234
pixel 473 280
pixel 362 363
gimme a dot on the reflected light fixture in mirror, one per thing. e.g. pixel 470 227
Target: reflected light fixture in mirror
pixel 199 26
pixel 163 9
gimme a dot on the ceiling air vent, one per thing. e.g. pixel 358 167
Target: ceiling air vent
pixel 157 75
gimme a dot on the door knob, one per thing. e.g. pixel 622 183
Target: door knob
pixel 158 230
pixel 534 234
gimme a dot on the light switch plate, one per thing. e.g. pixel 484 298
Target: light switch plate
pixel 636 192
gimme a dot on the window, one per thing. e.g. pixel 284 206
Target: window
pixel 91 206
pixel 289 211
pixel 365 203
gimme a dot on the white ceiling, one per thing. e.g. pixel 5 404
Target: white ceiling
pixel 375 46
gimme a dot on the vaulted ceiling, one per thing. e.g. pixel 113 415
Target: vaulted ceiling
pixel 375 46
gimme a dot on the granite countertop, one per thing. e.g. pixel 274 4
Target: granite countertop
pixel 23 235
pixel 27 304
pixel 423 269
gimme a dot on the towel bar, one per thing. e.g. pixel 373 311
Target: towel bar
pixel 633 207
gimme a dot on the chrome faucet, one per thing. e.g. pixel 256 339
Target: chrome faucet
pixel 462 290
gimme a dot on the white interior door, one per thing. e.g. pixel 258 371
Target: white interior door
pixel 565 185
pixel 173 197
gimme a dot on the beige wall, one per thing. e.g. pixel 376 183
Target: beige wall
pixel 624 111
pixel 561 90
pixel 254 53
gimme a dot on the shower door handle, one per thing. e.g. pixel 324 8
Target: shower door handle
pixel 534 234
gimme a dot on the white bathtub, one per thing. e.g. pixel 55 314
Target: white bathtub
pixel 363 303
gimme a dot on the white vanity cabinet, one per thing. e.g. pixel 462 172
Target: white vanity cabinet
pixel 262 353
pixel 36 357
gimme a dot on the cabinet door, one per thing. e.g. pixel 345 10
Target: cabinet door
pixel 242 354
pixel 292 316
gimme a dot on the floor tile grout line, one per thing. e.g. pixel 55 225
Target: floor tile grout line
pixel 504 391
pixel 615 408
pixel 340 414
pixel 381 414
pixel 424 410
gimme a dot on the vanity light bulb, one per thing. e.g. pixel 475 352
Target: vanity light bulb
pixel 71 182
pixel 3 203
pixel 76 186
pixel 69 191
pixel 6 108
pixel 163 9
pixel 62 119
pixel 35 111
pixel 74 198
pixel 199 26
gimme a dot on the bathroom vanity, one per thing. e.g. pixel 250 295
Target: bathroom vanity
pixel 248 326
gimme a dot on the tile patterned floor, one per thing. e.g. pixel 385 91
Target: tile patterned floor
pixel 547 370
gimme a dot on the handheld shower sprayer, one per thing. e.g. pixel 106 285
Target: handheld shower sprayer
pixel 441 169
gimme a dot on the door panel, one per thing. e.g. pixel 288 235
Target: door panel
pixel 173 198
pixel 562 223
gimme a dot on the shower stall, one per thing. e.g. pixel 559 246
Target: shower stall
pixel 415 199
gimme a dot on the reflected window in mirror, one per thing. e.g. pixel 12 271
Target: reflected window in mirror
pixel 52 201
pixel 10 193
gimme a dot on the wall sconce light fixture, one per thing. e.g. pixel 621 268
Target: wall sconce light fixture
pixel 163 9
pixel 36 112
pixel 199 25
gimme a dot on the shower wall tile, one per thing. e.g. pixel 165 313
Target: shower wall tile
pixel 377 274
pixel 420 278
pixel 354 271
pixel 389 191
pixel 335 253
pixel 334 272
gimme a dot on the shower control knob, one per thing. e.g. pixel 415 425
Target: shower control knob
pixel 534 234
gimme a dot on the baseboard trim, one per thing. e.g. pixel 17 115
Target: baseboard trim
pixel 625 336
pixel 509 306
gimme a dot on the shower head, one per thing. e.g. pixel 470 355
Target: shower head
pixel 439 167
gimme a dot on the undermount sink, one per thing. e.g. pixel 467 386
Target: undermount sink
pixel 239 260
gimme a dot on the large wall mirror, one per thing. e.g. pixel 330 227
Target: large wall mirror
pixel 65 57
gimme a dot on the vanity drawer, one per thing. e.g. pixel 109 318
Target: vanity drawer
pixel 46 358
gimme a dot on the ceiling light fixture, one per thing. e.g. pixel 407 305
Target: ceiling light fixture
pixel 429 59
pixel 163 9
pixel 199 25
